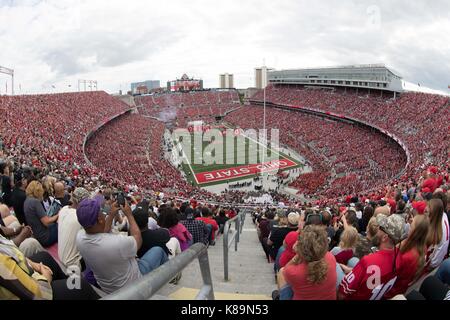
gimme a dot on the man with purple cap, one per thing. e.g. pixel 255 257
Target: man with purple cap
pixel 111 257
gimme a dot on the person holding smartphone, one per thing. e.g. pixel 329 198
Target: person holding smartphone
pixel 111 257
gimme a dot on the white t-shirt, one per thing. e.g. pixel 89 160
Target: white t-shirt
pixel 68 227
pixel 111 257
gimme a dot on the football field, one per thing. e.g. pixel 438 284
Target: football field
pixel 222 159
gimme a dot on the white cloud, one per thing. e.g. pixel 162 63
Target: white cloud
pixel 117 42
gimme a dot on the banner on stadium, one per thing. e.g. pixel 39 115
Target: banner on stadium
pixel 243 171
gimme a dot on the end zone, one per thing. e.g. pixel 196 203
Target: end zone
pixel 243 171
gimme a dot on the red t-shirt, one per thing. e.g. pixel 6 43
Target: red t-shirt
pixel 372 278
pixel 297 277
pixel 212 222
pixel 407 264
pixel 344 256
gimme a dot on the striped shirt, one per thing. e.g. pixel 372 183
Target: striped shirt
pixel 17 279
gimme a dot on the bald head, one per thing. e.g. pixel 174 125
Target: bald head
pixel 59 189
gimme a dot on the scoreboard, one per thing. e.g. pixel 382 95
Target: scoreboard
pixel 185 84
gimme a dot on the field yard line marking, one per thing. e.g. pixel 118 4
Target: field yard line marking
pixel 189 164
pixel 257 142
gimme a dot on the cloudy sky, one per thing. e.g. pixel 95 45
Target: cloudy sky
pixel 56 42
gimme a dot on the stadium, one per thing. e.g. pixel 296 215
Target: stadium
pixel 328 183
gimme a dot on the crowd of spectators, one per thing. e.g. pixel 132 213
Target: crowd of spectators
pixel 361 249
pixel 86 233
pixel 189 106
pixel 351 157
pixel 419 120
pixel 46 181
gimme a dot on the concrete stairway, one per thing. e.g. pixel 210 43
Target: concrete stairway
pixel 250 276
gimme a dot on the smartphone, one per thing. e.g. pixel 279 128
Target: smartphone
pixel 121 199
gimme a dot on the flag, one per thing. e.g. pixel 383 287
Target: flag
pixel 53 86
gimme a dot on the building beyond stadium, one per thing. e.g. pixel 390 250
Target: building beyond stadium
pixel 375 76
pixel 144 87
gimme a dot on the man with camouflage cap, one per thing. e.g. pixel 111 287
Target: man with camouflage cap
pixel 68 227
pixel 376 274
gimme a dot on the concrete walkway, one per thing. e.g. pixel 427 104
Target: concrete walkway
pixel 250 276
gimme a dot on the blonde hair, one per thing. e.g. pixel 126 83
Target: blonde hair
pixel 48 184
pixel 312 246
pixel 35 190
pixel 372 227
pixel 349 238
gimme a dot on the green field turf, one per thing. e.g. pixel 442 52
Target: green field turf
pixel 242 151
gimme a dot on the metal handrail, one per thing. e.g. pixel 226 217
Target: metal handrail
pixel 145 287
pixel 239 222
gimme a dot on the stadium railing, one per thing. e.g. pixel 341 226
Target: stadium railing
pixel 145 287
pixel 227 241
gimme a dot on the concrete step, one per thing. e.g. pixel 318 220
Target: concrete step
pixel 249 272
pixel 190 294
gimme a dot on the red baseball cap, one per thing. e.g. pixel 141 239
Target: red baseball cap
pixel 290 240
pixel 419 206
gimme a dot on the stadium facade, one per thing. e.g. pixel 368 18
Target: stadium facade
pixel 144 87
pixel 373 76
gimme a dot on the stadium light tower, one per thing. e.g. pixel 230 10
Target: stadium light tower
pixel 92 84
pixel 9 72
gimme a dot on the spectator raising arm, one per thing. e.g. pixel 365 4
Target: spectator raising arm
pixel 110 217
pixel 134 229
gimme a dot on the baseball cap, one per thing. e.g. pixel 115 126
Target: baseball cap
pixel 80 194
pixel 293 218
pixel 426 190
pixel 88 211
pixel 419 206
pixel 290 240
pixel 392 225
